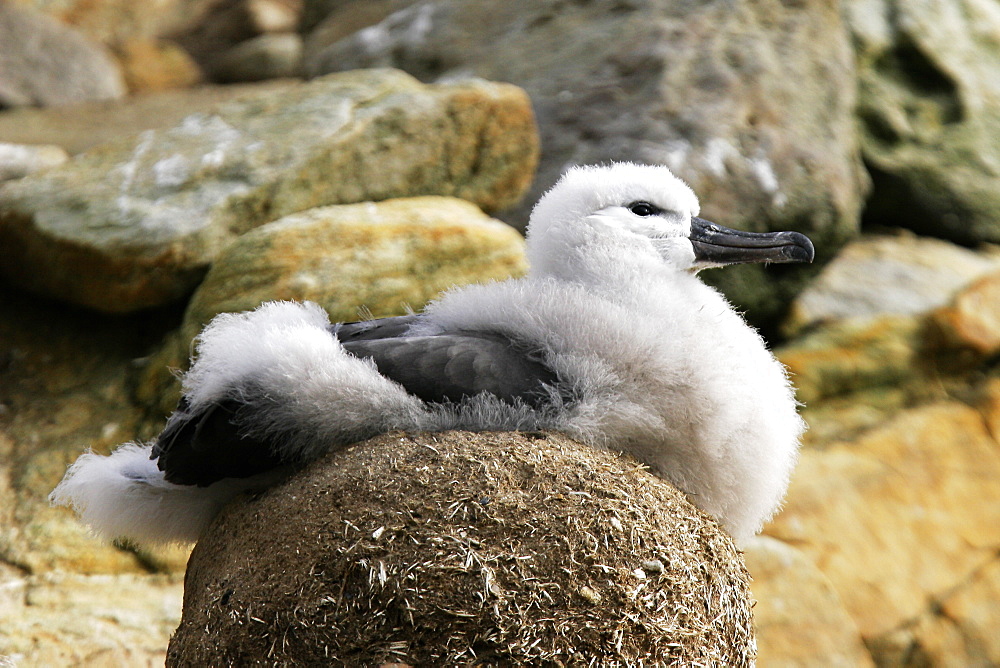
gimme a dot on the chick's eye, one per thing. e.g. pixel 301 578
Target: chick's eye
pixel 643 209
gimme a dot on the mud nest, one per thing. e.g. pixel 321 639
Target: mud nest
pixel 460 548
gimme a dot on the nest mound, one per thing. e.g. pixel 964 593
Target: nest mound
pixel 466 548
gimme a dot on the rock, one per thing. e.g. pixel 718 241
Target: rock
pixel 354 260
pixel 66 388
pixel 958 629
pixel 19 160
pixel 134 224
pixel 97 620
pixel 274 16
pixel 113 21
pixel 383 257
pixel 154 65
pixel 877 275
pixel 263 57
pixel 972 319
pixel 80 127
pixel 751 102
pixel 798 617
pixel 44 63
pixel 929 105
pixel 229 23
pixel 855 354
pixel 440 549
pixel 914 501
pixel 970 613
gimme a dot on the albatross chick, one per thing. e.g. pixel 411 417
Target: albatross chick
pixel 611 338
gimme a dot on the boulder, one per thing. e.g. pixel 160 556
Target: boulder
pixel 880 275
pixel 381 258
pixel 929 106
pixel 45 63
pixel 751 102
pixel 901 517
pixel 446 549
pixel 135 223
pixel 958 629
pixel 274 16
pixel 354 260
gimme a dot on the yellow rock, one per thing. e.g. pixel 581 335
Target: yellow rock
pixel 96 620
pixel 900 516
pixel 355 260
pixel 799 618
pixel 383 257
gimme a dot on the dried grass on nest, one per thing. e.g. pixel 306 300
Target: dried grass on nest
pixel 462 548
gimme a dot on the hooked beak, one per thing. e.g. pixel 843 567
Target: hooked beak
pixel 716 245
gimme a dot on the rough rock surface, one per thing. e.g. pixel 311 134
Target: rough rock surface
pixel 228 23
pixel 354 260
pixel 383 256
pixel 65 386
pixel 19 160
pixel 459 548
pixel 853 355
pixel 878 275
pixel 752 101
pixel 929 104
pixel 45 63
pixel 95 621
pixel 135 223
pixel 922 488
pixel 800 619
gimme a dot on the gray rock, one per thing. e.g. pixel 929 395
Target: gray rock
pixel 19 160
pixel 45 63
pixel 880 275
pixel 929 104
pixel 751 102
pixel 269 56
pixel 135 223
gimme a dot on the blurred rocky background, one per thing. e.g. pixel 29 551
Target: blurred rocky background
pixel 164 162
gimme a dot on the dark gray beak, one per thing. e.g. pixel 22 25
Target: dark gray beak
pixel 718 245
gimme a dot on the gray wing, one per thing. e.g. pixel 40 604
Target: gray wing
pixel 205 446
pixel 379 328
pixel 453 367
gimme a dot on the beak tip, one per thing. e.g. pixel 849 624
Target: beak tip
pixel 803 249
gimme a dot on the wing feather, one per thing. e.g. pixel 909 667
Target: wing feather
pixel 199 447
